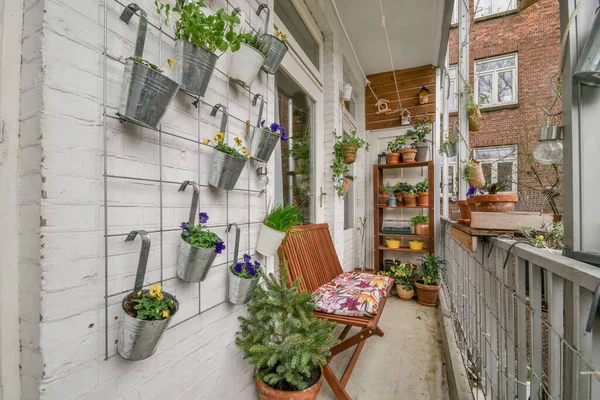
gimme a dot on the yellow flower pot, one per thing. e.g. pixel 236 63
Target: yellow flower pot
pixel 393 243
pixel 416 244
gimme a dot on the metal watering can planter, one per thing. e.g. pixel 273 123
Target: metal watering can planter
pixel 225 168
pixel 245 65
pixel 145 93
pixel 276 48
pixel 193 263
pixel 262 140
pixel 239 289
pixel 138 338
pixel 194 67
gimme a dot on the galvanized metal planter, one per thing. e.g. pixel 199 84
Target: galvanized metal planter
pixel 145 93
pixel 138 338
pixel 193 263
pixel 451 149
pixel 263 143
pixel 245 65
pixel 241 289
pixel 225 170
pixel 194 67
pixel 277 50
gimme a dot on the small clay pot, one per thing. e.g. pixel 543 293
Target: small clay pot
pixel 465 210
pixel 393 158
pixel 422 229
pixel 423 199
pixel 383 199
pixel 408 155
pixel 349 153
pixel 266 392
pixel 400 199
pixel 501 203
pixel 403 293
pixel 409 201
pixel 427 295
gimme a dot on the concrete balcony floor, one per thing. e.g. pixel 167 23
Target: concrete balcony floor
pixel 406 363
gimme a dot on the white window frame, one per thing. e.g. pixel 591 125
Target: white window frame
pixel 453 70
pixel 454 20
pixel 494 73
pixel 494 162
pixel 512 4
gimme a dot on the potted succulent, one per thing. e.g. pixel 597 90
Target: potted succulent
pixel 429 281
pixel 264 139
pixel 421 224
pixel 348 146
pixel 394 147
pixel 276 225
pixel 246 62
pixel 422 189
pixel 243 278
pixel 418 134
pixel 197 37
pixel 198 250
pixel 409 195
pixel 473 173
pixel 227 162
pixel 475 122
pixel 449 146
pixel 416 244
pixel 276 49
pixel 403 276
pixel 385 191
pixel 493 201
pixel 282 338
pixel 300 195
pixel 348 179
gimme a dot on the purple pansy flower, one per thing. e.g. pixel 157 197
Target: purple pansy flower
pixel 472 191
pixel 274 127
pixel 184 226
pixel 251 270
pixel 256 265
pixel 247 258
pixel 203 217
pixel 238 268
pixel 284 135
pixel 219 247
pixel 262 123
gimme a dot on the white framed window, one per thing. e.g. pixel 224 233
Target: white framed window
pixel 452 95
pixel 496 81
pixel 485 8
pixel 499 164
pixel 455 13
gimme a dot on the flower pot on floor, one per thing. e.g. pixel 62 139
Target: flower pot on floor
pixel 266 392
pixel 145 94
pixel 423 199
pixel 346 185
pixel 409 200
pixel 427 295
pixel 245 64
pixel 349 153
pixel 403 293
pixel 269 240
pixel 465 210
pixel 501 203
pixel 225 170
pixel 393 158
pixel 276 52
pixel 408 155
pixel 393 243
pixel 416 244
pixel 193 263
pixel 422 151
pixel 422 229
pixel 194 67
pixel 262 144
pixel 240 289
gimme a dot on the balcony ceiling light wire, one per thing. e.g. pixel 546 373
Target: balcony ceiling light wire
pixel 387 39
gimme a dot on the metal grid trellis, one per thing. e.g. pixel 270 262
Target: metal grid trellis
pixel 163 184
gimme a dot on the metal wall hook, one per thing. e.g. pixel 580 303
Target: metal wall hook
pixel 126 15
pixel 237 240
pixel 195 196
pixel 264 6
pixel 593 310
pixel 260 110
pixel 144 253
pixel 213 113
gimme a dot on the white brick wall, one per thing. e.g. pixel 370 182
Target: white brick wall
pixel 62 211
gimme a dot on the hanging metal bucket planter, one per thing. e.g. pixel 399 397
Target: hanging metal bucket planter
pixel 587 71
pixel 194 67
pixel 451 149
pixel 245 65
pixel 239 289
pixel 145 93
pixel 262 140
pixel 225 170
pixel 138 338
pixel 276 48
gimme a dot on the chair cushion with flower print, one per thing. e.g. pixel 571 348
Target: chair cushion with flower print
pixel 352 294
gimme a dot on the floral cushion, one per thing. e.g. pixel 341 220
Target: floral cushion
pixel 352 294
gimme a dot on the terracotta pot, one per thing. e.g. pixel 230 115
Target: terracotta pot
pixel 349 153
pixel 408 155
pixel 383 199
pixel 266 392
pixel 409 201
pixel 400 199
pixel 556 218
pixel 502 203
pixel 346 185
pixel 422 229
pixel 475 123
pixel 403 293
pixel 465 210
pixel 416 244
pixel 427 295
pixel 393 158
pixel 423 199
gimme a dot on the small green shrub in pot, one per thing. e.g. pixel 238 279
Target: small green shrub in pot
pixel 428 280
pixel 403 278
pixel 421 225
pixel 276 226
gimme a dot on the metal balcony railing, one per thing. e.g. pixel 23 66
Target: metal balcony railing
pixel 520 315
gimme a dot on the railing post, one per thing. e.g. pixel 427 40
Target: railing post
pixel 535 301
pixel 520 273
pixel 555 300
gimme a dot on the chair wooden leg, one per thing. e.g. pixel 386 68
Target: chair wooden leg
pixel 364 334
pixel 378 331
pixel 352 363
pixel 335 385
pixel 344 332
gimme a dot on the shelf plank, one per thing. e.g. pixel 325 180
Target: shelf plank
pixel 407 235
pixel 407 207
pixel 403 249
pixel 404 165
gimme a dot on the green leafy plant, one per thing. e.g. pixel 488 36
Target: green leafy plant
pixel 300 191
pixel 386 189
pixel 246 269
pixel 198 236
pixel 400 187
pixel 421 128
pixel 281 337
pixel 403 275
pixel 300 146
pixel 408 189
pixel 494 188
pixel 430 270
pixel 283 217
pixel 422 186
pixel 469 169
pixel 448 142
pixel 339 167
pixel 152 304
pixel 419 219
pixel 549 235
pixel 472 106
pixel 351 140
pixel 351 177
pixel 237 150
pixel 255 41
pixel 211 32
pixel 397 144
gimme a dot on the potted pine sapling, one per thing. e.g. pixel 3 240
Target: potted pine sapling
pixel 243 278
pixel 198 36
pixel 421 225
pixel 275 227
pixel 348 180
pixel 264 139
pixel 409 195
pixel 494 201
pixel 276 47
pixel 429 281
pixel 418 134
pixel 246 62
pixel 286 343
pixel 227 161
pixel 198 250
pixel 403 276
pixel 422 189
pixel 348 146
pixel 394 147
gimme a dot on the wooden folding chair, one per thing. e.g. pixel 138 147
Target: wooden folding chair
pixel 311 255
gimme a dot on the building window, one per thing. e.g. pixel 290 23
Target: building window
pixel 486 8
pixel 297 29
pixel 496 81
pixel 499 164
pixel 452 95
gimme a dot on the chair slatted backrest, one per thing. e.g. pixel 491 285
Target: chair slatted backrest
pixel 311 254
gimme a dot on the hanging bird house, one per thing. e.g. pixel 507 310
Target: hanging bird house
pixel 405 117
pixel 382 106
pixel 424 95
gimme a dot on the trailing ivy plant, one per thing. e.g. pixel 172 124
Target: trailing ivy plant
pixel 339 167
pixel 469 169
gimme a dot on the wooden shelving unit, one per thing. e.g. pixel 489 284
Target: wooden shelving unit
pixel 379 210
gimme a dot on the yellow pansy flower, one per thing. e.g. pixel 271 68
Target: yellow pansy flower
pixel 155 290
pixel 219 137
pixel 171 62
pixel 165 314
pixel 206 142
pixel 245 150
pixel 285 37
pixel 237 141
pixel 140 293
pixel 540 237
pixel 248 156
pixel 160 296
pixel 278 34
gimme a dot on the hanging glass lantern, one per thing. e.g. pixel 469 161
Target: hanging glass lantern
pixel 382 158
pixel 549 150
pixel 587 71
